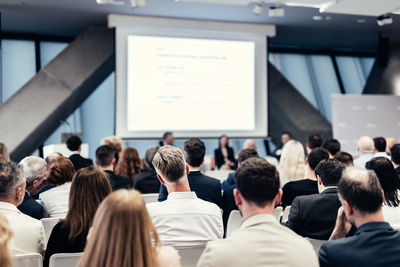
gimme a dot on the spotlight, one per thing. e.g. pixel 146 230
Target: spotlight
pixel 384 20
pixel 137 3
pixel 258 9
pixel 275 11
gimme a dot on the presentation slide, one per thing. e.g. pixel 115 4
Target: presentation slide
pixel 189 84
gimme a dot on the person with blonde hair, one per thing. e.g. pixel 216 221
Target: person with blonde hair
pixel 123 235
pixel 292 166
pixel 5 238
pixel 4 156
pixel 129 163
pixel 116 144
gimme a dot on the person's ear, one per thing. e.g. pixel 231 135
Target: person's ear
pixel 19 194
pixel 278 197
pixel 319 180
pixel 238 197
pixel 160 179
pixel 113 161
pixel 348 209
pixel 307 161
pixel 383 197
pixel 187 169
pixel 97 163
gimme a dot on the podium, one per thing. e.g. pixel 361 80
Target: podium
pixel 62 148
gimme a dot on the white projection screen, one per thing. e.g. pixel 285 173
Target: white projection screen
pixel 195 78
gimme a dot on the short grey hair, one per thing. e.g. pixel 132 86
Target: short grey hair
pixel 11 177
pixel 34 168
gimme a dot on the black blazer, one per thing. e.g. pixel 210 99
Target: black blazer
pixel 205 187
pixel 314 216
pixel 119 182
pixel 228 204
pixel 398 170
pixel 294 189
pixel 146 182
pixel 80 162
pixel 30 207
pixel 374 244
pixel 219 157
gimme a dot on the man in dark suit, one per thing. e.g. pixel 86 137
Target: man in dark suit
pixel 147 182
pixel 74 144
pixel 314 216
pixel 205 187
pixel 395 156
pixel 375 243
pixel 105 160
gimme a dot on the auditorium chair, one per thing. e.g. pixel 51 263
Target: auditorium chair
pixel 48 225
pixel 316 243
pixel 221 175
pixel 65 259
pixel 149 198
pixel 28 260
pixel 234 221
pixel 190 255
pixel 285 215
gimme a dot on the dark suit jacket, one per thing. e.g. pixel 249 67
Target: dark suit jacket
pixel 205 187
pixel 219 157
pixel 294 189
pixel 146 182
pixel 374 244
pixel 229 182
pixel 119 182
pixel 314 216
pixel 30 207
pixel 398 170
pixel 228 204
pixel 80 162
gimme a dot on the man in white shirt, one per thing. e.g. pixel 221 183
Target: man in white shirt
pixel 28 233
pixel 182 219
pixel 261 240
pixel 365 148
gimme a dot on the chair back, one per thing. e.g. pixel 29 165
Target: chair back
pixel 190 255
pixel 285 215
pixel 278 213
pixel 48 225
pixel 65 259
pixel 221 175
pixel 149 198
pixel 316 243
pixel 27 260
pixel 234 222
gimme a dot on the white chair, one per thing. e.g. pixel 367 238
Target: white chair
pixel 316 243
pixel 48 225
pixel 278 213
pixel 221 175
pixel 65 259
pixel 234 222
pixel 190 255
pixel 149 198
pixel 285 215
pixel 28 260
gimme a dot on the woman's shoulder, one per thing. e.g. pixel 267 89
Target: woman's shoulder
pixel 168 257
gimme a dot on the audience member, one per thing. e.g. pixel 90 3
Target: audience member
pixel 105 160
pixel 313 141
pixel 249 143
pixel 395 157
pixel 129 163
pixel 4 156
pixel 168 139
pixel 292 165
pixel 314 216
pixel 205 187
pixel 116 144
pixel 332 146
pixel 345 158
pixel 285 138
pixel 309 185
pixel 380 147
pixel 123 235
pixel 55 200
pixel 34 169
pixel 5 242
pixel 53 156
pixel 375 243
pixel 390 183
pixel 182 219
pixel 224 154
pixel 365 149
pixel 261 240
pixel 390 141
pixel 147 182
pixel 89 187
pixel 74 143
pixel 28 233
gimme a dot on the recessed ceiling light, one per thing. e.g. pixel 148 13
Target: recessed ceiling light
pixel 328 18
pixel 317 18
pixel 361 20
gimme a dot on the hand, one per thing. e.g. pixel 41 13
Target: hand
pixel 342 226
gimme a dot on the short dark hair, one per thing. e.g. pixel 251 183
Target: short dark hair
pixel 104 155
pixel 344 157
pixel 247 153
pixel 194 151
pixel 314 141
pixel 365 194
pixel 395 153
pixel 257 181
pixel 316 156
pixel 332 145
pixel 330 171
pixel 149 156
pixel 166 134
pixel 74 142
pixel 288 133
pixel 380 144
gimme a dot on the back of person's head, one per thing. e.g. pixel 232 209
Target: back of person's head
pixel 114 142
pixel 5 242
pixel 395 154
pixel 122 233
pixel 52 157
pixel 74 143
pixel 170 164
pixel 4 156
pixel 129 163
pixel 361 190
pixel 314 141
pixel 247 153
pixel 257 181
pixel 11 178
pixel 365 145
pixel 88 189
pixel 148 158
pixel 194 151
pixel 380 144
pixel 330 171
pixel 388 179
pixel 34 168
pixel 105 155
pixel 316 156
pixel 332 145
pixel 61 171
pixel 390 142
pixel 292 162
pixel 345 158
pixel 249 143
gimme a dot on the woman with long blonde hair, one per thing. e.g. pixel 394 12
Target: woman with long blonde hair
pixel 123 235
pixel 129 163
pixel 292 165
pixel 5 238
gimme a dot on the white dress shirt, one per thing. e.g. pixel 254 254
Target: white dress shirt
pixel 55 200
pixel 28 233
pixel 185 220
pixel 391 215
pixel 362 160
pixel 381 154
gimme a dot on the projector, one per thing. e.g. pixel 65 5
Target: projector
pixel 275 11
pixel 384 20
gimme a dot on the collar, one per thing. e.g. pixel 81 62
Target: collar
pixel 329 189
pixel 27 193
pixel 182 195
pixel 75 153
pixel 373 226
pixel 8 206
pixel 258 219
pixel 194 173
pixel 364 155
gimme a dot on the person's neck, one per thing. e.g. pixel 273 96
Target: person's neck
pixel 396 165
pixel 194 169
pixel 180 187
pixel 107 168
pixel 310 174
pixel 368 218
pixel 249 210
pixel 11 201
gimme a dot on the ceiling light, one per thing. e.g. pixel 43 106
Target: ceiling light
pixel 361 20
pixel 275 11
pixel 317 18
pixel 258 9
pixel 109 2
pixel 137 3
pixel 384 20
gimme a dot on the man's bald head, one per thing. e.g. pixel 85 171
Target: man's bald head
pixel 365 145
pixel 249 143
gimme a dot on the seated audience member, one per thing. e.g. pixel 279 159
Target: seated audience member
pixel 380 147
pixel 390 142
pixel 249 143
pixel 168 139
pixel 5 242
pixel 52 157
pixel 55 200
pixel 34 169
pixel 116 144
pixel 365 149
pixel 4 156
pixel 123 235
pixel 309 185
pixel 205 187
pixel 147 182
pixel 182 219
pixel 224 154
pixel 332 146
pixel 261 240
pixel 28 233
pixel 313 141
pixel 105 160
pixel 45 184
pixel 74 144
pixel 395 157
pixel 314 216
pixel 89 187
pixel 390 182
pixel 292 166
pixel 129 163
pixel 345 158
pixel 375 243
